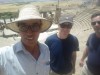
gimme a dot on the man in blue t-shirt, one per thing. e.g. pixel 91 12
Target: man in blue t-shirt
pixel 63 47
pixel 92 51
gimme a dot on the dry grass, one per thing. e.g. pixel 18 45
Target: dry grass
pixel 15 6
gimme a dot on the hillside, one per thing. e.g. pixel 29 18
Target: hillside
pixel 17 1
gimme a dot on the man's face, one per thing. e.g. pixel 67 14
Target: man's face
pixel 95 22
pixel 29 31
pixel 65 28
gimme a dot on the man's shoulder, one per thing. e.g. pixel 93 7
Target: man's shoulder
pixel 91 36
pixel 73 37
pixel 5 49
pixel 52 36
pixel 43 46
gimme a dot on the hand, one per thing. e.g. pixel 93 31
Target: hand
pixel 81 63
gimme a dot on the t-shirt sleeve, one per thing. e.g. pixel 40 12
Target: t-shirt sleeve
pixel 89 39
pixel 87 43
pixel 76 44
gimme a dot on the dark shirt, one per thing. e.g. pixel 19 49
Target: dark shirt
pixel 93 61
pixel 61 53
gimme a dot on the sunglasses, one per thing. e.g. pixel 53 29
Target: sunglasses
pixel 24 27
pixel 66 25
pixel 94 23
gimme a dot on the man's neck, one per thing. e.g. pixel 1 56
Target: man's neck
pixel 98 35
pixel 61 36
pixel 34 51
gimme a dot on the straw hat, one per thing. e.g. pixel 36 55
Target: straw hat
pixel 29 12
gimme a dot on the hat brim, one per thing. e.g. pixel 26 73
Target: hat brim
pixel 65 21
pixel 45 24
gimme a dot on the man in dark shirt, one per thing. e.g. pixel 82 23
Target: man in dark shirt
pixel 92 51
pixel 63 47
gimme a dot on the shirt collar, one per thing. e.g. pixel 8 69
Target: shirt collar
pixel 18 47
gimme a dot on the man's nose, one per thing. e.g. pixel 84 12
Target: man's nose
pixel 29 29
pixel 97 24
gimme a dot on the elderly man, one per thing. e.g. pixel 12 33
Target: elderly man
pixel 28 56
pixel 63 47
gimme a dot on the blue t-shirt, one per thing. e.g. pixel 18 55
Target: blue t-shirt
pixel 61 52
pixel 93 61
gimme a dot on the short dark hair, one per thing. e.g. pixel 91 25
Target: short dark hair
pixel 95 15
